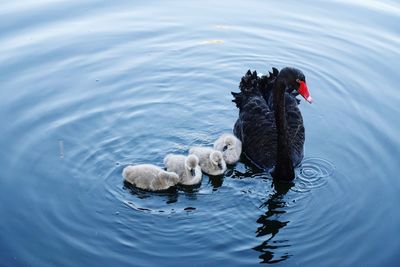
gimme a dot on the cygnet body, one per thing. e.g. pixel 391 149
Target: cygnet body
pixel 211 161
pixel 230 146
pixel 149 177
pixel 187 167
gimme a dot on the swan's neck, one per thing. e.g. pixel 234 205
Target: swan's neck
pixel 284 170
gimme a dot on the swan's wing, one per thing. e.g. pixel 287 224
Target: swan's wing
pixel 255 126
pixel 256 129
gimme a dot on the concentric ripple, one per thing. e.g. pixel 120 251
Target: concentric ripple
pixel 313 173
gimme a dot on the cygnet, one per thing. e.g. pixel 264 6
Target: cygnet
pixel 187 167
pixel 149 177
pixel 230 146
pixel 211 161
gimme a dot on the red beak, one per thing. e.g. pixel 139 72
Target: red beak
pixel 303 90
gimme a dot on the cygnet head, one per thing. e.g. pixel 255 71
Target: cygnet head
pixel 217 159
pixel 191 162
pixel 230 142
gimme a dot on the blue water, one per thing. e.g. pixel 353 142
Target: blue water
pixel 88 87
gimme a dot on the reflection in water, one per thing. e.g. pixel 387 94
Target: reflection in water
pixel 271 224
pixel 312 173
pixel 216 181
pixel 171 194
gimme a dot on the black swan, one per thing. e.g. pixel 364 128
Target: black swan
pixel 270 124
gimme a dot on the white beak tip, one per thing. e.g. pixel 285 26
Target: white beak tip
pixel 309 99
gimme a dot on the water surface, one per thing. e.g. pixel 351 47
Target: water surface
pixel 87 88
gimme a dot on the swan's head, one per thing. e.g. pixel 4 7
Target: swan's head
pixel 217 159
pixel 192 161
pixel 295 79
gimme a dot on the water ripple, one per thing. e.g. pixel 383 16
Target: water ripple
pixel 313 173
pixel 87 88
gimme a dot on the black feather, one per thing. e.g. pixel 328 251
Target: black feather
pixel 256 127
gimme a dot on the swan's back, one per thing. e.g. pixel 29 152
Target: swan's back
pixel 256 126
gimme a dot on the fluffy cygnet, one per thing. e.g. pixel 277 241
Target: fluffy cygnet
pixel 211 161
pixel 230 146
pixel 187 168
pixel 149 177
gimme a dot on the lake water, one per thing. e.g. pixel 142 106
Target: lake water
pixel 89 87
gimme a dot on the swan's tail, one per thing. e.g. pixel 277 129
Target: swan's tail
pixel 248 85
pixel 249 82
pixel 237 99
pixel 267 81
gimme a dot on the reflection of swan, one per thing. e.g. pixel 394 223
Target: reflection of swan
pixel 187 168
pixel 271 224
pixel 230 146
pixel 211 160
pixel 149 177
pixel 270 124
